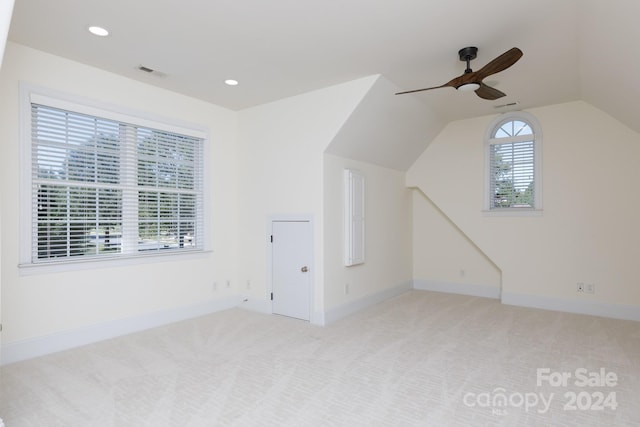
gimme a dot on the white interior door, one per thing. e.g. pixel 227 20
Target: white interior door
pixel 291 246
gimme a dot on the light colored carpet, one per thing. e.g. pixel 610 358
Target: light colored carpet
pixel 420 359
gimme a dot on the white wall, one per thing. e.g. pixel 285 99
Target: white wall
pixel 280 149
pixel 388 259
pixel 37 305
pixel 6 10
pixel 444 258
pixel 588 231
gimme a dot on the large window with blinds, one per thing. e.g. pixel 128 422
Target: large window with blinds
pixel 104 187
pixel 513 164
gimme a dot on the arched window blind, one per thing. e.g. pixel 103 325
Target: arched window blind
pixel 513 163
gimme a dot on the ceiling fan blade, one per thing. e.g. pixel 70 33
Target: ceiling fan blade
pixel 488 92
pixel 420 90
pixel 500 63
pixel 455 82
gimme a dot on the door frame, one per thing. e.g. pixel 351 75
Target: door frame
pixel 312 264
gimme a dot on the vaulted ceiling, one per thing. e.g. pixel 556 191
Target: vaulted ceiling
pixel 573 49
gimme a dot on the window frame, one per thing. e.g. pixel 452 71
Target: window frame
pixel 33 94
pixel 537 164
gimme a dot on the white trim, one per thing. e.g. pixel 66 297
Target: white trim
pixel 51 343
pixel 256 305
pixel 513 212
pixel 318 318
pixel 592 308
pixel 485 291
pixel 96 263
pixel 352 307
pixel 537 147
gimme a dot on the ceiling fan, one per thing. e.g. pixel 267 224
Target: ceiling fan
pixel 472 80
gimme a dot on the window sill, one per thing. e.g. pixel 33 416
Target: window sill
pixel 29 269
pixel 513 212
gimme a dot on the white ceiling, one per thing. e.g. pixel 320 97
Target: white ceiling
pixel 573 49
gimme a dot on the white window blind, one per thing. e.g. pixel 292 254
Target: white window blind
pixel 512 166
pixel 103 187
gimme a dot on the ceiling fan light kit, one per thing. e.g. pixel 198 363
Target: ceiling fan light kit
pixel 468 87
pixel 472 80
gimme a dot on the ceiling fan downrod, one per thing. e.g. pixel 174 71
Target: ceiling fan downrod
pixel 467 54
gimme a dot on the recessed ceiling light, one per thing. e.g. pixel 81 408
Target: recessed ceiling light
pixel 98 31
pixel 231 82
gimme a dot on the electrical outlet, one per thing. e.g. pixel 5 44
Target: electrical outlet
pixel 580 287
pixel 228 283
pixel 248 284
pixel 346 289
pixel 590 288
pixel 214 287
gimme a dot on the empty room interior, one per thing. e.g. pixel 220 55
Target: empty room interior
pixel 309 213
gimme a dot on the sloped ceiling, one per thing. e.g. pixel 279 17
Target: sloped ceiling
pixel 609 71
pixel 386 130
pixel 573 49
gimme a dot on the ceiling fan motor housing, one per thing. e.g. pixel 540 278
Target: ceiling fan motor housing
pixel 468 53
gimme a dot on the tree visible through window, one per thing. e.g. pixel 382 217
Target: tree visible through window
pixel 512 165
pixel 104 187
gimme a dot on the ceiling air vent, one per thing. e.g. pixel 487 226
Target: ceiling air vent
pixel 151 71
pixel 510 104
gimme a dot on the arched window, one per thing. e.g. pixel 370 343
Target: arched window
pixel 512 163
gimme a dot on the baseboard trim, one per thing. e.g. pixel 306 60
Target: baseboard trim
pixel 318 318
pixel 59 341
pixel 352 307
pixel 592 308
pixel 486 291
pixel 265 307
pixel 257 305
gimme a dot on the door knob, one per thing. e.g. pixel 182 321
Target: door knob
pixel 304 269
